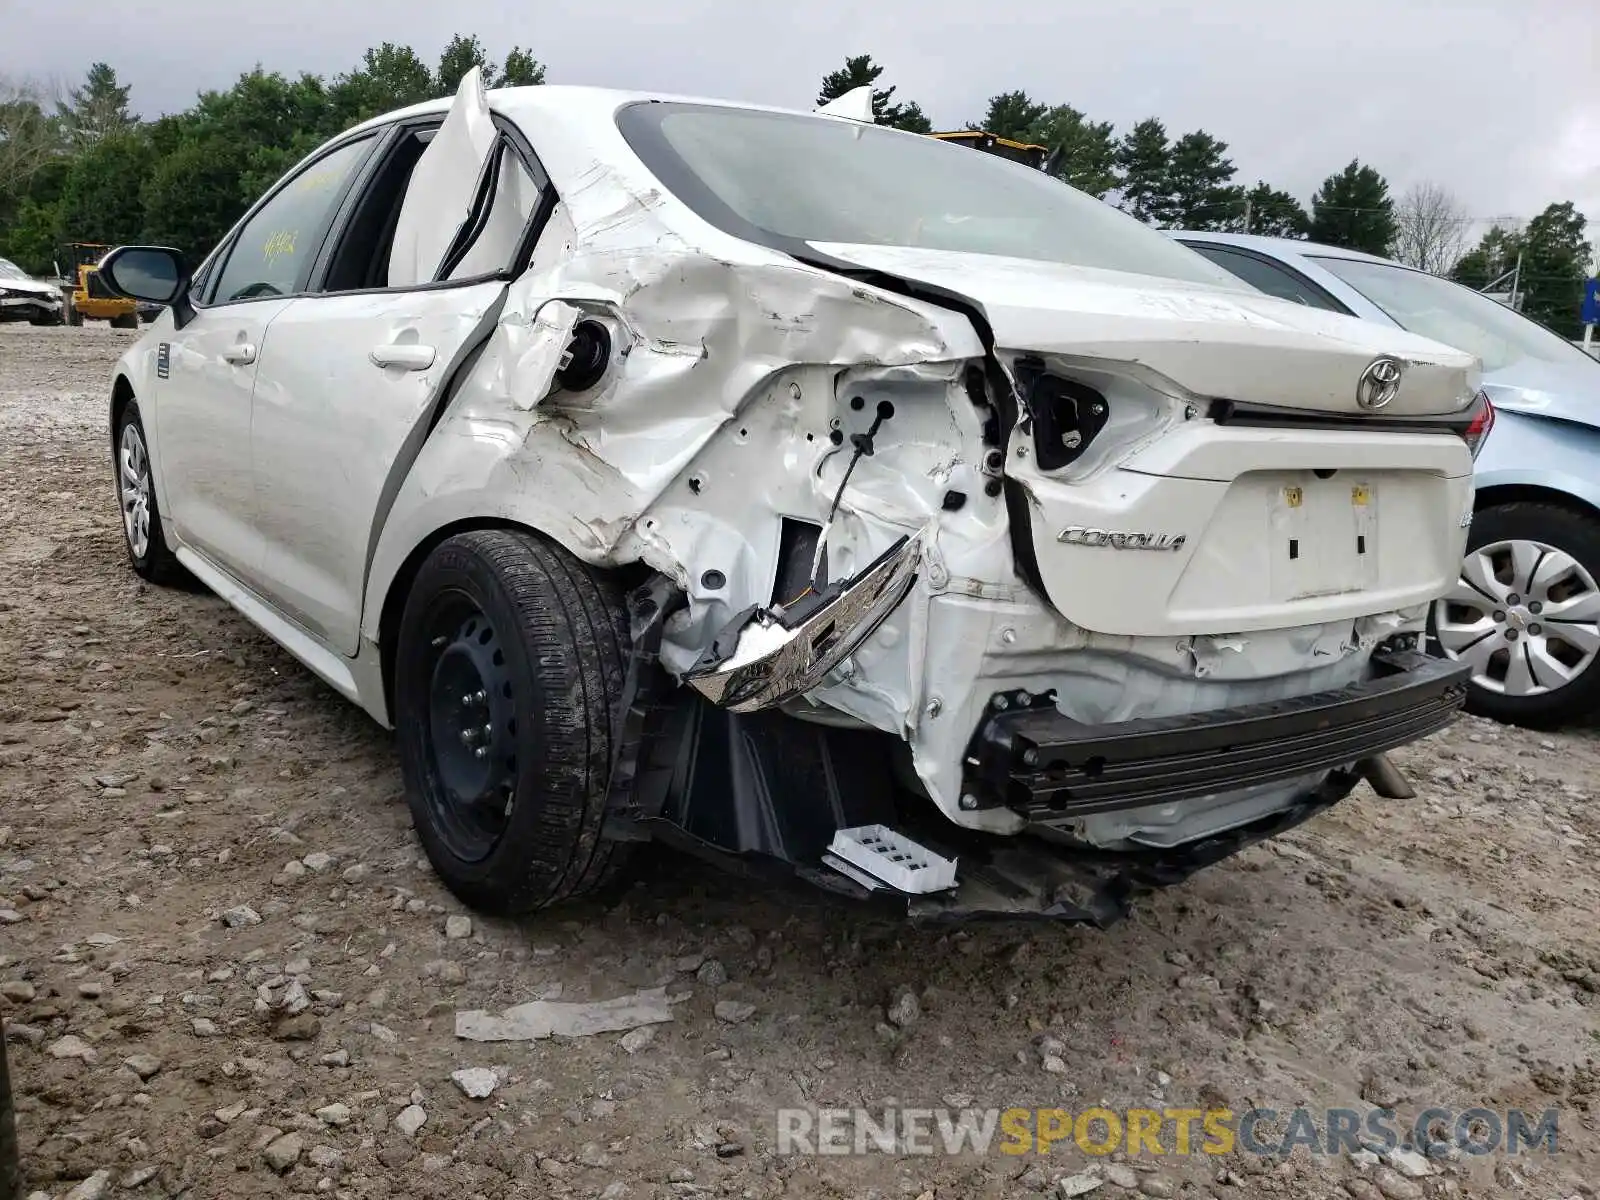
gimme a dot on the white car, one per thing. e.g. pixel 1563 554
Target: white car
pixel 24 298
pixel 798 492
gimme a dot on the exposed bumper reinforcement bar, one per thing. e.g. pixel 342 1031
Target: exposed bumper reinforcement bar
pixel 766 656
pixel 1054 769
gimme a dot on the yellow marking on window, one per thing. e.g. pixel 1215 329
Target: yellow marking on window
pixel 1293 496
pixel 279 244
pixel 1359 496
pixel 317 180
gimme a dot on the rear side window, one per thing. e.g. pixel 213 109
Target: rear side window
pixel 1269 277
pixel 273 251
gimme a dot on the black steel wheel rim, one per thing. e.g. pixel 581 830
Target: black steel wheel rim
pixel 472 728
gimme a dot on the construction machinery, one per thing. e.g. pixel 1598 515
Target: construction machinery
pixel 1027 153
pixel 88 298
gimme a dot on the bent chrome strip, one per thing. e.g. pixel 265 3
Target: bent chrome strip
pixel 766 656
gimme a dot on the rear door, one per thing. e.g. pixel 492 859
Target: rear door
pixel 409 287
pixel 203 392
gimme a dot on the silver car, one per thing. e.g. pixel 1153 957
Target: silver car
pixel 1526 613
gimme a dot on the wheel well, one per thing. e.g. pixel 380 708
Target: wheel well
pixel 1528 493
pixel 121 397
pixel 394 602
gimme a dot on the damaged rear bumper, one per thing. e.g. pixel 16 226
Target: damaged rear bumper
pixel 1054 770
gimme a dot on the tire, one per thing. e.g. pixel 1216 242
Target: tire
pixel 126 321
pixel 546 639
pixel 153 560
pixel 1524 559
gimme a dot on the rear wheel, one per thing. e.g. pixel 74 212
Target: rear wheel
pixel 126 321
pixel 136 495
pixel 1525 614
pixel 508 667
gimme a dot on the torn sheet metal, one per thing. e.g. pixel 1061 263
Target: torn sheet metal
pixel 542 351
pixel 540 1019
pixel 443 185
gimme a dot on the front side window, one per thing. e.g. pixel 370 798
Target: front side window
pixel 1271 278
pixel 275 247
pixel 785 179
pixel 1454 315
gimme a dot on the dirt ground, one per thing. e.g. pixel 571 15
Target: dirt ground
pixel 161 763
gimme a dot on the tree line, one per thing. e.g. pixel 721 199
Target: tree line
pixel 1189 182
pixel 82 167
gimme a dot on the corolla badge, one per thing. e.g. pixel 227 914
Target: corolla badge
pixel 1119 539
pixel 1379 383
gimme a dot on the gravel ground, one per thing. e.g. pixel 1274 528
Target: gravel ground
pixel 226 970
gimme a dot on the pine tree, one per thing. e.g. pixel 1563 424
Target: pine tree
pixel 98 109
pixel 1198 175
pixel 1144 157
pixel 1353 209
pixel 1274 213
pixel 1012 115
pixel 861 71
pixel 1081 152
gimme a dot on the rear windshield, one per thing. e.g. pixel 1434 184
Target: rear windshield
pixel 786 178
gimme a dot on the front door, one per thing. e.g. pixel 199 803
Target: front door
pixel 203 430
pixel 203 401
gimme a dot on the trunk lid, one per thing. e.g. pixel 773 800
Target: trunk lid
pixel 1214 343
pixel 1181 526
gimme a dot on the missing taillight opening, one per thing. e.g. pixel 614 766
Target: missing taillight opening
pixel 1478 429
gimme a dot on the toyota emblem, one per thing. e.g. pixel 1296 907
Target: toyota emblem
pixel 1380 383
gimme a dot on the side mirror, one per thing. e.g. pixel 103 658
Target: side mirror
pixel 155 274
pixel 152 273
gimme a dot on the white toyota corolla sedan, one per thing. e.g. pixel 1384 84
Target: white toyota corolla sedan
pixel 798 492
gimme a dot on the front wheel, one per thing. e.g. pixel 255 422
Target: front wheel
pixel 136 496
pixel 1525 614
pixel 508 668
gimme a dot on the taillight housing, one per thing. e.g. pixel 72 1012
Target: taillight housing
pixel 1478 428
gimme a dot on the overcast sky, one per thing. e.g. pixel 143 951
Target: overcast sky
pixel 1498 100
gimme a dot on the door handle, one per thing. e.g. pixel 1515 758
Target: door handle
pixel 408 356
pixel 241 353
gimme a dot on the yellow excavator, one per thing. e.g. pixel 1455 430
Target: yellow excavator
pixel 87 296
pixel 1026 153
